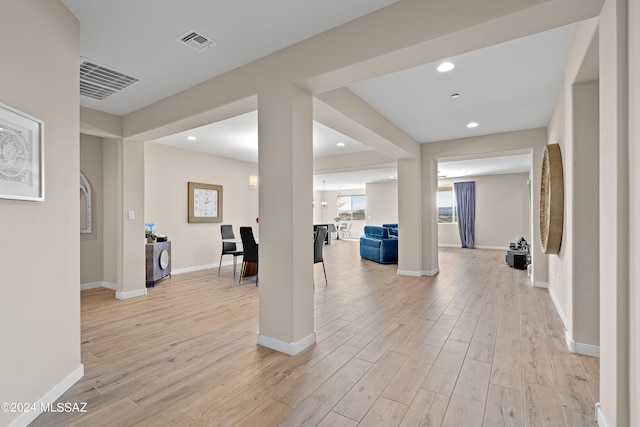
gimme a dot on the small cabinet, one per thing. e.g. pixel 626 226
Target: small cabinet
pixel 158 262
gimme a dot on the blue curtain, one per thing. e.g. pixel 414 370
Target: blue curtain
pixel 466 201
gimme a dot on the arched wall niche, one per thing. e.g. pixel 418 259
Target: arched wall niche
pixel 85 205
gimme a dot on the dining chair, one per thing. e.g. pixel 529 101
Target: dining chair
pixel 228 248
pixel 346 230
pixel 250 248
pixel 318 244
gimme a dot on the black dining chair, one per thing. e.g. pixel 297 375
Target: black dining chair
pixel 228 248
pixel 318 243
pixel 250 248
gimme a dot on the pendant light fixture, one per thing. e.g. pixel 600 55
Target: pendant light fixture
pixel 324 203
pixel 339 202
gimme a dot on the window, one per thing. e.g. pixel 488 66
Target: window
pixel 351 208
pixel 447 213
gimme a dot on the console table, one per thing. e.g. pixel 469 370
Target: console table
pixel 517 259
pixel 158 262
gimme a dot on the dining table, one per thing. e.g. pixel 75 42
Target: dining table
pixel 331 228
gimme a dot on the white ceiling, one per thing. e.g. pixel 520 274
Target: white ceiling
pixel 511 86
pixel 237 138
pixel 139 38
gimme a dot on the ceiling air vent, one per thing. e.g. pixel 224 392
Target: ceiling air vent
pixel 100 82
pixel 196 40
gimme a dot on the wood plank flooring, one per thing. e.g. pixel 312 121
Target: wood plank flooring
pixel 475 345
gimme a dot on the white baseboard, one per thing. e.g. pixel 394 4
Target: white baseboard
pixel 600 419
pixel 418 273
pixel 409 273
pixel 201 267
pixel 574 347
pixel 288 348
pixel 558 309
pixel 131 294
pixel 27 417
pixel 94 285
pixel 580 348
pixel 498 248
pixel 543 285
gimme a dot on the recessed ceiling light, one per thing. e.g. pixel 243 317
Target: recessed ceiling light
pixel 455 95
pixel 340 144
pixel 472 125
pixel 191 138
pixel 446 66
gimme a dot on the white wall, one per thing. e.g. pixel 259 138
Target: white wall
pixel 574 271
pixel 167 172
pixel 502 211
pixel 40 249
pixel 91 244
pixel 382 203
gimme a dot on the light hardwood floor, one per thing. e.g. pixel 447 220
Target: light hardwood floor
pixel 475 345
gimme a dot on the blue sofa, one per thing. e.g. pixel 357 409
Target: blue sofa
pixel 393 229
pixel 376 244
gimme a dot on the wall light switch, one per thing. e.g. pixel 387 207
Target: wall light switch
pixel 132 215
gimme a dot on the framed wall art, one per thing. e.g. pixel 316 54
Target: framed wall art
pixel 205 202
pixel 21 155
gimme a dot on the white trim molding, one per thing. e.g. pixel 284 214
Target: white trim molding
pixel 409 273
pixel 199 268
pixel 418 273
pixel 600 419
pixel 496 248
pixel 573 346
pixel 543 285
pixel 580 348
pixel 288 348
pixel 131 294
pixel 94 285
pixel 48 399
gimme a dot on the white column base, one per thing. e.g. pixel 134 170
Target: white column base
pixel 131 294
pixel 418 273
pixel 288 348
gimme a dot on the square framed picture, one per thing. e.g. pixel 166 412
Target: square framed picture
pixel 21 155
pixel 205 202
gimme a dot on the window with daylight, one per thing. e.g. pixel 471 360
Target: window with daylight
pixel 447 213
pixel 351 208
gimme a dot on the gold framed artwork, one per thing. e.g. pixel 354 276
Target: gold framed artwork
pixel 205 202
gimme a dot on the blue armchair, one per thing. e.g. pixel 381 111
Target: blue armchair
pixel 377 245
pixel 393 229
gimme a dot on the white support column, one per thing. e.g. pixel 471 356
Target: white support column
pixel 285 129
pixel 410 217
pixel 131 258
pixel 429 215
pixel 614 409
pixel 634 200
